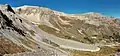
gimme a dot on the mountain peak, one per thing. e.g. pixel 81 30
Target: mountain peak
pixel 95 14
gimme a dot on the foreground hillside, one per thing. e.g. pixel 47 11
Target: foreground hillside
pixel 39 31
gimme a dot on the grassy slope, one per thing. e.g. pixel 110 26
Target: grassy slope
pixel 105 51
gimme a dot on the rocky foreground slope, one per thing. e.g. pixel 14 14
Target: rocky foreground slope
pixel 18 35
pixel 39 31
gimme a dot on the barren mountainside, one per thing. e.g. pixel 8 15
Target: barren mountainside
pixel 87 28
pixel 39 31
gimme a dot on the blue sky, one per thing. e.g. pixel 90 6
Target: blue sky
pixel 106 7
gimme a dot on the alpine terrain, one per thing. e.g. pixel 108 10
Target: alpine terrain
pixel 40 31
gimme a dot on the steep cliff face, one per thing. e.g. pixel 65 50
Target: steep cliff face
pixel 88 28
pixel 9 29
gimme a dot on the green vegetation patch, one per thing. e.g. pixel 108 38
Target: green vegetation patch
pixel 47 28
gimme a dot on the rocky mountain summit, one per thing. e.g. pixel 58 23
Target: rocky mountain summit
pixel 34 31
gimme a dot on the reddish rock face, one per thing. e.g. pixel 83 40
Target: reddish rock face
pixel 7 47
